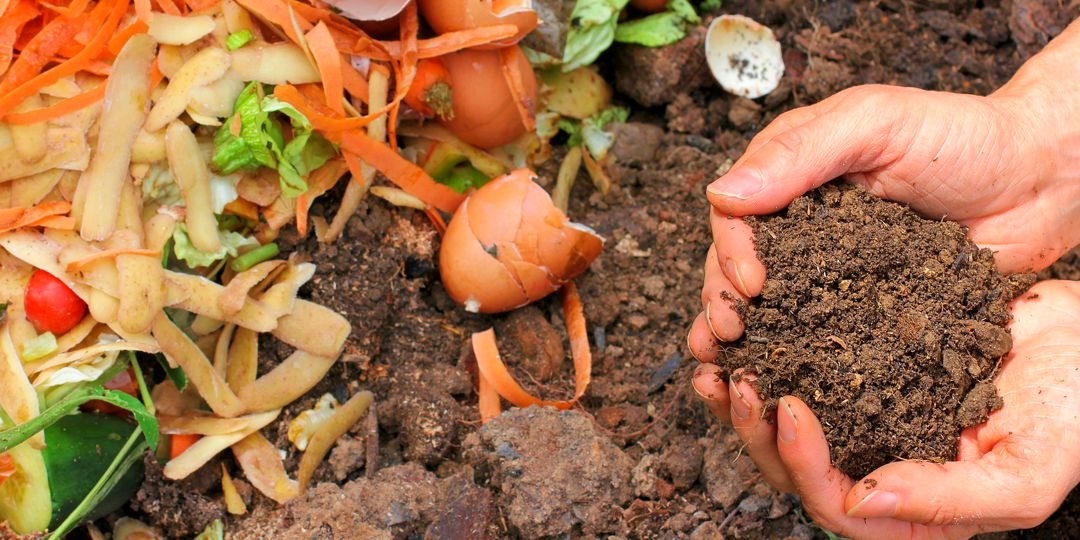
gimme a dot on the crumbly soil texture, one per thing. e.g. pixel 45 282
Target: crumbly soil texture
pixel 640 458
pixel 889 326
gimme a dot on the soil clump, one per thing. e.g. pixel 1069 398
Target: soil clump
pixel 889 326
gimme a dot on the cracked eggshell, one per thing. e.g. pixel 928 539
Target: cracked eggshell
pixel 453 15
pixel 486 115
pixel 744 56
pixel 369 10
pixel 508 245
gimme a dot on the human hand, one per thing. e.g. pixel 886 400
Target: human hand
pixel 1006 166
pixel 1011 472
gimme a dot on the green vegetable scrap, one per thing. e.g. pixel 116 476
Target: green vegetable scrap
pixel 259 141
pixel 231 244
pixel 659 29
pixel 592 31
pixel 239 39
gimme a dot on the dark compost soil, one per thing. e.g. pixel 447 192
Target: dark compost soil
pixel 888 325
pixel 657 465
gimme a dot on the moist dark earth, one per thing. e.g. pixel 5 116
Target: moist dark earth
pixel 640 458
pixel 889 326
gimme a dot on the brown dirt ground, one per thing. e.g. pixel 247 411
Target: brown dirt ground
pixel 433 470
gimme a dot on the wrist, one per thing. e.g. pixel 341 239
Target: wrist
pixel 1044 104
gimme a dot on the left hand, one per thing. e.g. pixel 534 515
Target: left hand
pixel 1011 472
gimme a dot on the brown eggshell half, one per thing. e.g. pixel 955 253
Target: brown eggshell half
pixel 508 245
pixel 471 276
pixel 452 15
pixel 484 111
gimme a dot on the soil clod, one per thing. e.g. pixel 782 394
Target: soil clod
pixel 890 342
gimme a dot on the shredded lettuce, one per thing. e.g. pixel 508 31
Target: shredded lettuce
pixel 659 29
pixel 231 243
pixel 592 30
pixel 160 187
pixel 39 347
pixel 260 141
pixel 239 39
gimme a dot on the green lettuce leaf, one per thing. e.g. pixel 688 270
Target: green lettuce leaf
pixel 231 242
pixel 39 347
pixel 659 29
pixel 592 30
pixel 656 30
pixel 261 141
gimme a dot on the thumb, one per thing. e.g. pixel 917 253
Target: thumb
pixel 775 172
pixel 960 492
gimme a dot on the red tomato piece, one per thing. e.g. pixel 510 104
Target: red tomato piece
pixel 50 305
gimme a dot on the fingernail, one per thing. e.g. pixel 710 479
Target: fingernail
pixel 739 406
pixel 877 504
pixel 787 427
pixel 708 320
pixel 701 372
pixel 688 347
pixel 738 184
pixel 732 271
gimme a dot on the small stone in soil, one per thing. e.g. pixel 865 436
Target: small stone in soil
pixel 552 472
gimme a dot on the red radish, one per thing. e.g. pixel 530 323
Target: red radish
pixel 50 305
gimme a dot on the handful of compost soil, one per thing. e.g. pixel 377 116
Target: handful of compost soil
pixel 889 326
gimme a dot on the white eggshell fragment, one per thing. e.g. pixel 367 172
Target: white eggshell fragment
pixel 369 10
pixel 744 56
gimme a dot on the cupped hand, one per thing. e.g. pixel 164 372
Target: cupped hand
pixel 1011 472
pixel 985 162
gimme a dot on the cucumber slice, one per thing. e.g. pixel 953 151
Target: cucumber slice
pixel 24 498
pixel 79 448
pixel 50 483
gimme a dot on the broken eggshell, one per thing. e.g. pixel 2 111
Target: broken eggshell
pixel 744 56
pixel 369 10
pixel 454 15
pixel 508 245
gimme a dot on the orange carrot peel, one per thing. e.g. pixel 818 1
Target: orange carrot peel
pixel 44 214
pixel 406 174
pixel 494 372
pixel 13 97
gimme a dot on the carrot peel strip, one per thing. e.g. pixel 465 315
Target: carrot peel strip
pixel 320 121
pixel 79 264
pixel 117 42
pixel 404 173
pixel 61 108
pixel 70 67
pixel 494 372
pixel 12 22
pixel 489 405
pixel 328 60
pixel 14 218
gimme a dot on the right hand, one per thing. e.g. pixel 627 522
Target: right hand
pixel 1005 166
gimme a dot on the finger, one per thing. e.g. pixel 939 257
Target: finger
pixel 786 121
pixel 822 487
pixel 701 341
pixel 708 383
pixel 736 254
pixel 842 140
pixel 719 296
pixel 966 493
pixel 757 433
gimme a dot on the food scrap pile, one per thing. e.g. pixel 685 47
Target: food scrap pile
pixel 151 153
